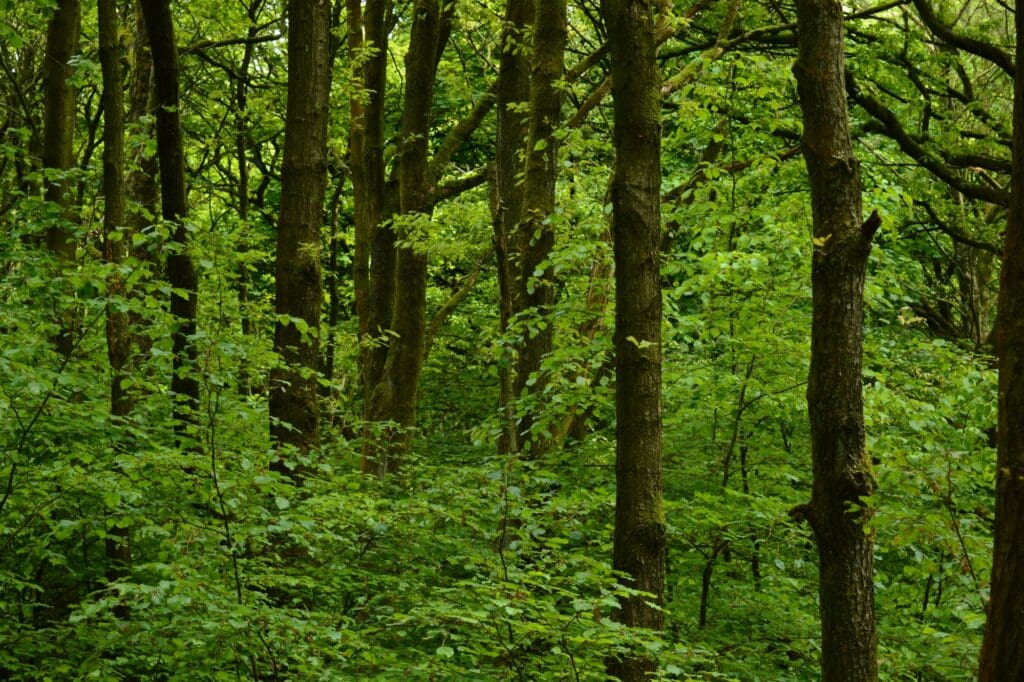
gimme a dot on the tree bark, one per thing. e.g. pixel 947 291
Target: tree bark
pixel 356 145
pixel 507 194
pixel 141 188
pixel 58 137
pixel 181 272
pixel 379 201
pixel 118 339
pixel 639 542
pixel 1002 656
pixel 294 406
pixel 842 470
pixel 537 232
pixel 242 159
pixel 394 396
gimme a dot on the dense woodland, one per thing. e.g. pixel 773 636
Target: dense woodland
pixel 511 340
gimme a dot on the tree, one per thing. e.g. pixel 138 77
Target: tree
pixel 512 129
pixel 294 407
pixel 536 233
pixel 639 551
pixel 842 241
pixel 118 338
pixel 395 393
pixel 1002 657
pixel 181 271
pixel 58 138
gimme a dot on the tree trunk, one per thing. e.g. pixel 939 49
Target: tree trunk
pixel 294 407
pixel 842 470
pixel 58 137
pixel 379 201
pixel 394 396
pixel 118 339
pixel 142 191
pixel 507 194
pixel 141 187
pixel 242 159
pixel 181 272
pixel 537 232
pixel 636 228
pixel 357 165
pixel 1002 655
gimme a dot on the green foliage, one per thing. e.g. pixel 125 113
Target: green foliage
pixel 465 565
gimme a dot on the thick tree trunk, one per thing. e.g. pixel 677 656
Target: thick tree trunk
pixel 58 137
pixel 537 293
pixel 294 407
pixel 842 470
pixel 1002 652
pixel 181 272
pixel 394 396
pixel 636 228
pixel 507 194
pixel 118 339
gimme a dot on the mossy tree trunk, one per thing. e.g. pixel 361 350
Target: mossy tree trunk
pixel 507 193
pixel 639 550
pixel 374 266
pixel 118 338
pixel 294 406
pixel 537 230
pixel 58 141
pixel 393 400
pixel 841 243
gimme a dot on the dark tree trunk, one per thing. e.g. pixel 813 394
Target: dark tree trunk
pixel 379 201
pixel 141 188
pixel 394 396
pixel 537 233
pixel 636 229
pixel 294 407
pixel 842 470
pixel 242 159
pixel 118 339
pixel 58 137
pixel 357 165
pixel 507 194
pixel 1002 652
pixel 142 191
pixel 181 272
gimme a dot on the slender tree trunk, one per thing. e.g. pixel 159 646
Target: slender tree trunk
pixel 294 406
pixel 636 228
pixel 537 232
pixel 842 470
pixel 181 272
pixel 141 188
pixel 118 339
pixel 357 165
pixel 380 201
pixel 394 396
pixel 242 159
pixel 1002 652
pixel 58 137
pixel 507 193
